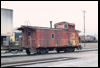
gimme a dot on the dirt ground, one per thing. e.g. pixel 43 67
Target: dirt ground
pixel 89 45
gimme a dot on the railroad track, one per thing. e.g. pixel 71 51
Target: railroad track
pixel 28 62
pixel 10 56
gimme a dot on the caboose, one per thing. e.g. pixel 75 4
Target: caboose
pixel 63 37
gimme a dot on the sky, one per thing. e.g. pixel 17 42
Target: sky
pixel 40 13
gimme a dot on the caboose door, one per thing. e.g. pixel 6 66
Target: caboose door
pixel 73 38
pixel 25 36
pixel 33 40
pixel 69 40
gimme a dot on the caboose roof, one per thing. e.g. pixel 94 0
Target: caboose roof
pixel 37 27
pixel 59 23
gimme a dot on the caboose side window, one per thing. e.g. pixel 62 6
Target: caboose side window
pixel 52 36
pixel 65 26
pixel 28 33
pixel 59 36
pixel 71 26
pixel 55 26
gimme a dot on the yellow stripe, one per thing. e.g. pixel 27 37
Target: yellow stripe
pixel 20 36
pixel 4 41
pixel 17 42
pixel 13 37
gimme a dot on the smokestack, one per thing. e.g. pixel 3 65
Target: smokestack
pixel 50 24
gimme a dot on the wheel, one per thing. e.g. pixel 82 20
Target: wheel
pixel 47 50
pixel 65 50
pixel 73 49
pixel 43 51
pixel 27 51
pixel 58 51
pixel 38 52
pixel 21 50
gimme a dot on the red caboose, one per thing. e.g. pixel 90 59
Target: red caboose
pixel 63 37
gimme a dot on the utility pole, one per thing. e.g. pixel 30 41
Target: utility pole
pixel 84 27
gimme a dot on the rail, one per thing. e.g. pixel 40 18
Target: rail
pixel 20 63
pixel 86 50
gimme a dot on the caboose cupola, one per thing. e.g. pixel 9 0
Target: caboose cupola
pixel 65 25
